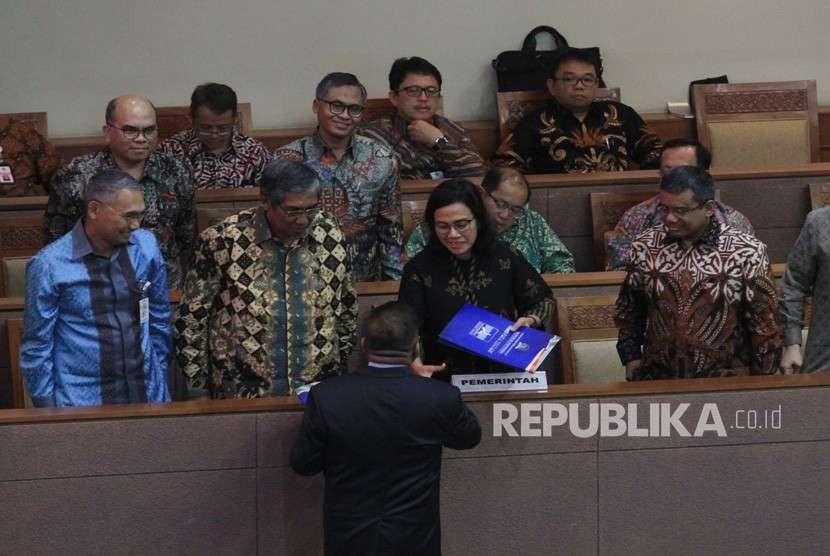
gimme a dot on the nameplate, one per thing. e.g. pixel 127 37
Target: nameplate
pixel 502 382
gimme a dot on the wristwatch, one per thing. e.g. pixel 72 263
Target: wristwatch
pixel 440 143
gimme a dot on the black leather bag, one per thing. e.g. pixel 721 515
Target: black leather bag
pixel 528 69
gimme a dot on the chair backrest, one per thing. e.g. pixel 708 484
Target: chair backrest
pixel 412 215
pixel 758 124
pixel 37 120
pixel 589 339
pixel 13 276
pixel 20 236
pixel 515 105
pixel 819 195
pixel 606 211
pixel 206 217
pixel 377 107
pixel 172 119
pixel 20 396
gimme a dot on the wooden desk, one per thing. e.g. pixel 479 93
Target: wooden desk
pixel 140 478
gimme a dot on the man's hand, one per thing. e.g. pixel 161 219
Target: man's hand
pixel 424 133
pixel 632 369
pixel 791 360
pixel 420 369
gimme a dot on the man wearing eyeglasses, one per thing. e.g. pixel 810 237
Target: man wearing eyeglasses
pixel 219 155
pixel 576 133
pixel 97 316
pixel 427 145
pixel 699 298
pixel 676 152
pixel 269 305
pixel 506 195
pixel 359 178
pixel 131 134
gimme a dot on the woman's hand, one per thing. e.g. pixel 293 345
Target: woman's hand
pixel 530 322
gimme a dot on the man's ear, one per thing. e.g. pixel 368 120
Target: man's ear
pixel 549 84
pixel 710 206
pixel 393 98
pixel 92 209
pixel 363 344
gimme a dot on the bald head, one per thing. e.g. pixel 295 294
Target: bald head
pixel 506 192
pixel 127 102
pixel 131 132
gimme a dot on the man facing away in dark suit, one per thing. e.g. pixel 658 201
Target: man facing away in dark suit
pixel 377 435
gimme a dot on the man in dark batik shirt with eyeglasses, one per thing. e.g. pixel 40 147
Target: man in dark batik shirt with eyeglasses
pixel 131 134
pixel 575 132
pixel 427 145
pixel 219 154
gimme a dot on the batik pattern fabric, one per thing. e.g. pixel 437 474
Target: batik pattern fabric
pixel 808 275
pixel 436 285
pixel 239 166
pixel 32 160
pixel 703 311
pixel 530 235
pixel 362 191
pixel 640 217
pixel 170 212
pixel 87 340
pixel 458 159
pixel 261 318
pixel 552 140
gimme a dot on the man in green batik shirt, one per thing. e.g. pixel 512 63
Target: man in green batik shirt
pixel 505 194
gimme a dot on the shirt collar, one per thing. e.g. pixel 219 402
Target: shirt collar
pixel 262 230
pixel 709 236
pixel 388 372
pixel 321 146
pixel 152 166
pixel 81 247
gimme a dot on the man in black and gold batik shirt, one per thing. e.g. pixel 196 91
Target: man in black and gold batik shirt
pixel 575 133
pixel 268 306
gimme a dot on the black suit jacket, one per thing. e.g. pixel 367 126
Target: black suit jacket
pixel 377 435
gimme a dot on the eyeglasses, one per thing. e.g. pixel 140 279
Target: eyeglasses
pixel 415 91
pixel 127 216
pixel 204 129
pixel 337 107
pixel 502 206
pixel 664 210
pixel 458 226
pixel 131 132
pixel 587 80
pixel 295 213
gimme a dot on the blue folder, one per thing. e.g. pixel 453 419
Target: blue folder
pixel 488 335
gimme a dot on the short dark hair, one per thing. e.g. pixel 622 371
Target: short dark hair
pixel 105 185
pixel 498 174
pixel 682 178
pixel 281 176
pixel 570 54
pixel 703 157
pixel 404 66
pixel 391 329
pixel 217 97
pixel 339 79
pixel 464 192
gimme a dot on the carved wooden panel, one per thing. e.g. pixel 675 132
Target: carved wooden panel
pixel 37 120
pixel 587 317
pixel 756 101
pixel 23 238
